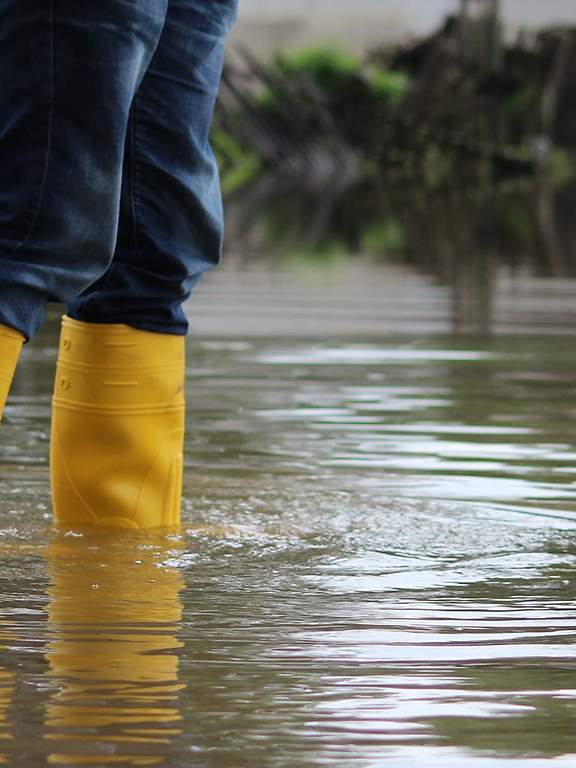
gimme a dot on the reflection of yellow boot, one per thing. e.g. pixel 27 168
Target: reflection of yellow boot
pixel 117 427
pixel 10 346
pixel 6 691
pixel 113 622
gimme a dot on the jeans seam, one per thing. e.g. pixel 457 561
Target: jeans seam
pixel 50 135
pixel 133 172
pixel 131 134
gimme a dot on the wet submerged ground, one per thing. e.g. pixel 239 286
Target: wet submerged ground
pixel 379 544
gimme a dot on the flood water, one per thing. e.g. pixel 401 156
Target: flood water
pixel 377 560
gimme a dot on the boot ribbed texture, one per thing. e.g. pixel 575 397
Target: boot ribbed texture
pixel 117 427
pixel 10 346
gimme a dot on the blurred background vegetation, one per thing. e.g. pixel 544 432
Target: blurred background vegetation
pixel 467 132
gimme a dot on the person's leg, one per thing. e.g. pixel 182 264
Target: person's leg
pixel 69 72
pixel 118 420
pixel 171 221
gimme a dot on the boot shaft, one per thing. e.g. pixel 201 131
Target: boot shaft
pixel 10 346
pixel 117 427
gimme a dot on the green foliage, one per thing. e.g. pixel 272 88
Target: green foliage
pixel 522 100
pixel 389 86
pixel 226 148
pixel 328 251
pixel 335 73
pixel 357 96
pixel 332 69
pixel 326 65
pixel 241 174
pixel 516 220
pixel 384 236
pixel 436 165
pixel 238 165
pixel 560 167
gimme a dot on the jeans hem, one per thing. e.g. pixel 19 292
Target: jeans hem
pixel 139 325
pixel 22 308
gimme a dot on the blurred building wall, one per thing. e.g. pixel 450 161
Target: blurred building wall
pixel 267 25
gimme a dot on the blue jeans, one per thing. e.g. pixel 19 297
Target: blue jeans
pixel 110 199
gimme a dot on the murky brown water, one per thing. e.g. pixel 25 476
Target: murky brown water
pixel 377 562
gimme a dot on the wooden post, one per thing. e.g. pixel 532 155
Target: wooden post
pixel 494 41
pixel 464 29
pixel 480 35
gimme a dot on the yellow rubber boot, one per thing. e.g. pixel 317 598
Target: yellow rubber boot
pixel 117 427
pixel 10 346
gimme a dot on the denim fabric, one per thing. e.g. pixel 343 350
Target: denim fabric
pixel 109 192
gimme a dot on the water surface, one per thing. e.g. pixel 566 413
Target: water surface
pixel 377 560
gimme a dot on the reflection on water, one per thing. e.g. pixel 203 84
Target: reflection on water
pixel 6 692
pixel 377 560
pixel 114 614
pixel 372 259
